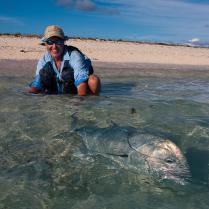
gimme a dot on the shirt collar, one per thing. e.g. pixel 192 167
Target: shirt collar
pixel 66 54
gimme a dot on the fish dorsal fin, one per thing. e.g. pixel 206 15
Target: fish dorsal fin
pixel 142 143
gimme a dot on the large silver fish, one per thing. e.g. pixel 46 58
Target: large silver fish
pixel 139 152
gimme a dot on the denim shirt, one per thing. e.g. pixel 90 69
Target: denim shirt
pixel 77 61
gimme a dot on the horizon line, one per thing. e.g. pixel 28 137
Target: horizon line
pixel 18 34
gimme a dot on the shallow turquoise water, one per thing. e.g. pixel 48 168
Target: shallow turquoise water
pixel 43 164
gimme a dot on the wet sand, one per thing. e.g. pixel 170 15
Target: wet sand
pixel 26 68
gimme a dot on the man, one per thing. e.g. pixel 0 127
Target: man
pixel 63 69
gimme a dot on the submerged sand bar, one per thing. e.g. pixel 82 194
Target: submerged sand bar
pixel 27 48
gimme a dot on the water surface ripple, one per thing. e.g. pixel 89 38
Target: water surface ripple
pixel 45 164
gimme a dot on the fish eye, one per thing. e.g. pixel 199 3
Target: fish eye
pixel 169 160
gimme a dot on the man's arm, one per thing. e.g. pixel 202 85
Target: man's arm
pixel 80 64
pixel 35 86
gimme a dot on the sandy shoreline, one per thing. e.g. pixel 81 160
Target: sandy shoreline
pixel 26 48
pixel 19 55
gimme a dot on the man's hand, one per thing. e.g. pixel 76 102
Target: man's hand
pixel 34 90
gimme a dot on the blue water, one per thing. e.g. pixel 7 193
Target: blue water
pixel 44 164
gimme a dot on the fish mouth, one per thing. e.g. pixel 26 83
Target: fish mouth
pixel 182 177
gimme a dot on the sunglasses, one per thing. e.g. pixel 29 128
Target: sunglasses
pixel 56 42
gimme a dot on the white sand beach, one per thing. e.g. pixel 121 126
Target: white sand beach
pixel 28 48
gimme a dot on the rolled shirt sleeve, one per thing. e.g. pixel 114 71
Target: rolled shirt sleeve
pixel 37 80
pixel 37 83
pixel 80 63
pixel 41 64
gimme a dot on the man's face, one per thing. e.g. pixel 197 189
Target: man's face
pixel 55 46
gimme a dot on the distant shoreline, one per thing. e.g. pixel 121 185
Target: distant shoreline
pixel 102 39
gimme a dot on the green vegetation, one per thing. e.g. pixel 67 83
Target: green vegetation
pixel 20 35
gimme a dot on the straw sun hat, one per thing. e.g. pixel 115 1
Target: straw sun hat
pixel 53 30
